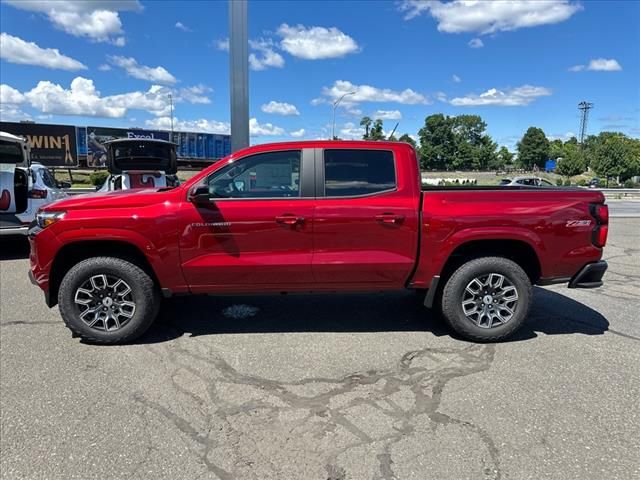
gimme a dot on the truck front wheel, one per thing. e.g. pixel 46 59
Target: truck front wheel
pixel 487 299
pixel 108 300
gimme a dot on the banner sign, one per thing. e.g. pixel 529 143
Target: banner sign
pixel 202 146
pixel 51 145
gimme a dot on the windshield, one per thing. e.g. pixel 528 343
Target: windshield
pixel 10 152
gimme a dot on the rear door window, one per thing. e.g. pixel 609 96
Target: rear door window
pixel 351 172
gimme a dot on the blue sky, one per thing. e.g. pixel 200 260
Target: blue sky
pixel 516 64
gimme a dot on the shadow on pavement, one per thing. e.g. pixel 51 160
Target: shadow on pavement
pixel 551 314
pixel 14 248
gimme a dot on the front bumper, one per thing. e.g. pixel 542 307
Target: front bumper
pixel 589 276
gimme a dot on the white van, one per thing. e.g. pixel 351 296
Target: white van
pixel 24 186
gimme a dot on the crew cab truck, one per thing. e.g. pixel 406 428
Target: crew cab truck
pixel 321 216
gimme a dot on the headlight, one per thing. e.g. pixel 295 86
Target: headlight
pixel 44 219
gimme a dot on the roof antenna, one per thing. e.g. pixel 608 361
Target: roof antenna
pixel 394 130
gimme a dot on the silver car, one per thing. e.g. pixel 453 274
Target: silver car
pixel 526 181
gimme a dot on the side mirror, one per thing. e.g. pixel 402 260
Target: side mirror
pixel 64 185
pixel 200 195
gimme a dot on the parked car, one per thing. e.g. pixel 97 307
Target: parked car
pixel 594 183
pixel 24 186
pixel 316 216
pixel 527 181
pixel 140 163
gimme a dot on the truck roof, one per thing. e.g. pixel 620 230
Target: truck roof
pixel 321 144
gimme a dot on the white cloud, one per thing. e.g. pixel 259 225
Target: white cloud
pixel 196 94
pixel 183 27
pixel 142 72
pixel 441 96
pixel 476 43
pixel 257 129
pixel 604 65
pixel 83 99
pixel 387 114
pixel 298 133
pixel 351 131
pixel 314 43
pixel 279 108
pixel 98 20
pixel 519 96
pixel 598 65
pixel 199 125
pixel 456 78
pixel 491 16
pixel 266 56
pixel 9 94
pixel 367 93
pixel 561 136
pixel 223 44
pixel 12 113
pixel 104 67
pixel 16 50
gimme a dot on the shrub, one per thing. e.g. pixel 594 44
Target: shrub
pixel 581 183
pixel 567 183
pixel 630 184
pixel 559 182
pixel 98 177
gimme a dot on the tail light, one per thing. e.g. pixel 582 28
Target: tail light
pixel 601 213
pixel 36 193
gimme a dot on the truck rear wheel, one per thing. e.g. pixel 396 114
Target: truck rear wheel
pixel 108 300
pixel 487 299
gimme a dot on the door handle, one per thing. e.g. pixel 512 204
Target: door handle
pixel 289 219
pixel 389 218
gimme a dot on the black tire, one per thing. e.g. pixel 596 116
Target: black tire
pixel 144 293
pixel 454 290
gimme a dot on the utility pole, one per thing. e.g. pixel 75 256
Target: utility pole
pixel 335 105
pixel 584 108
pixel 239 74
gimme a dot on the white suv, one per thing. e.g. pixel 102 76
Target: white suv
pixel 24 186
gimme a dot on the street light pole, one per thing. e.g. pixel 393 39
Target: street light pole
pixel 335 105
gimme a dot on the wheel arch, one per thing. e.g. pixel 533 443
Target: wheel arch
pixel 73 253
pixel 519 251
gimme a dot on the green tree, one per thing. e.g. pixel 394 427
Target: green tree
pixel 377 131
pixel 366 123
pixel 614 155
pixel 556 149
pixel 407 139
pixel 437 142
pixel 572 162
pixel 533 149
pixel 502 159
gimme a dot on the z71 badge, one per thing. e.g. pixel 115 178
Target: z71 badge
pixel 578 223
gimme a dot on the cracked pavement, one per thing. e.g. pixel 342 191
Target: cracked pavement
pixel 326 387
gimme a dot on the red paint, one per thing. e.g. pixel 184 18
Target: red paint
pixel 389 240
pixel 5 200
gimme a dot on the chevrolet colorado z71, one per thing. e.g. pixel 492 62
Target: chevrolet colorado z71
pixel 321 216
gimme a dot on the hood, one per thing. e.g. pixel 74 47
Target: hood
pixel 114 199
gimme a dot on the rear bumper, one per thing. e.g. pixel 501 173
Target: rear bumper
pixel 589 276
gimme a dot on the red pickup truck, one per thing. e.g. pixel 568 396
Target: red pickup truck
pixel 321 216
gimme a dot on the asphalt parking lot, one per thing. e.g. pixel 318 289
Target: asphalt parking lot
pixel 326 387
